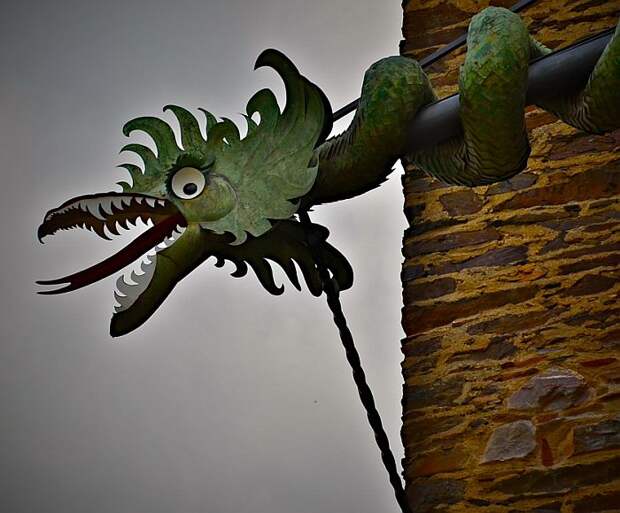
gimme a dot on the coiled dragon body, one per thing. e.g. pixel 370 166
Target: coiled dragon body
pixel 236 198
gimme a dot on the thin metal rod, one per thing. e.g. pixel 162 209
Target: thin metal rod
pixel 374 419
pixel 556 74
pixel 333 300
pixel 430 59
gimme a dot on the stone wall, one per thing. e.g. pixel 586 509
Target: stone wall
pixel 512 374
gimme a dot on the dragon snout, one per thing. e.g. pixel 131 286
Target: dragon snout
pixel 106 214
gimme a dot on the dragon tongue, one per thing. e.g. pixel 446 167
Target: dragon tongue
pixel 116 262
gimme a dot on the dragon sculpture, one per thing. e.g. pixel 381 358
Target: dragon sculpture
pixel 237 198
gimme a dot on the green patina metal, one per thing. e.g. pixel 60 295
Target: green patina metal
pixel 236 198
pixel 251 180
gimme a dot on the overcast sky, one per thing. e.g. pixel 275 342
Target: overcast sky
pixel 228 400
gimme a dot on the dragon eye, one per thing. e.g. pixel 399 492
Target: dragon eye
pixel 187 183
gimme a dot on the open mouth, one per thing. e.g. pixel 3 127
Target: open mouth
pixel 106 214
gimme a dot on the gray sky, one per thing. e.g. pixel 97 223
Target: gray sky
pixel 228 400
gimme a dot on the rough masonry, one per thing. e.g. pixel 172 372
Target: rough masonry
pixel 512 375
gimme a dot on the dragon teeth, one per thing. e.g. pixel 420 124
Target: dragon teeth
pixel 62 210
pixel 113 229
pixel 105 204
pixel 118 203
pixel 127 294
pixel 176 233
pixel 129 279
pixel 93 207
pixel 107 232
pixel 148 258
pixel 120 287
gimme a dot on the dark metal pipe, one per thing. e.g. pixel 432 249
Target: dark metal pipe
pixel 559 73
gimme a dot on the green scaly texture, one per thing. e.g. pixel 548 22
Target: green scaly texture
pixel 596 108
pixel 492 86
pixel 360 158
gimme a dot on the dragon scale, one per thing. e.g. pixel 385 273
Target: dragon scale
pixel 492 87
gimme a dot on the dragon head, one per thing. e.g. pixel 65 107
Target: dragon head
pixel 220 195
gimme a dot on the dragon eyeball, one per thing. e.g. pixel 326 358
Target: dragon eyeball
pixel 188 183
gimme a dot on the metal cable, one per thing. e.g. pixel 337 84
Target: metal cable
pixel 333 300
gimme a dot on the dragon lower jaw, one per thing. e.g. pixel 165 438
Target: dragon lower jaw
pixel 162 272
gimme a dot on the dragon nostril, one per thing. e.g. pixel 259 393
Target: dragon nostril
pixel 190 189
